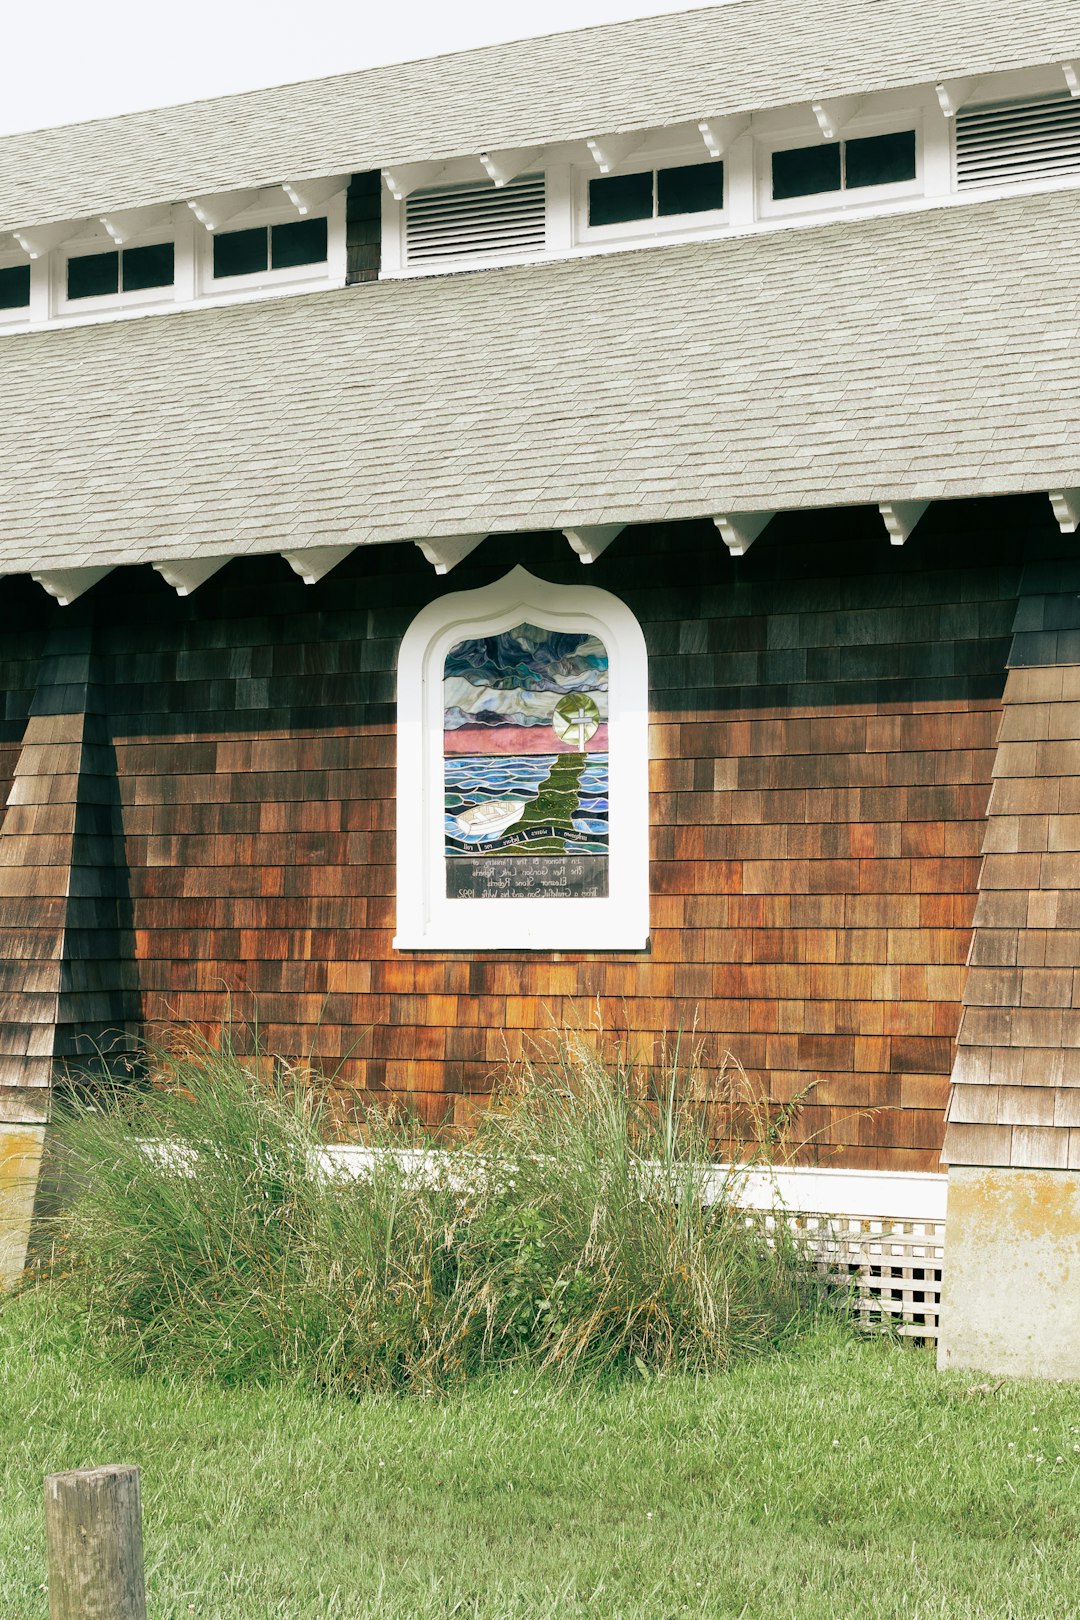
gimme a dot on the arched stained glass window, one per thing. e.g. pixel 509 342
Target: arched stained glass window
pixel 522 771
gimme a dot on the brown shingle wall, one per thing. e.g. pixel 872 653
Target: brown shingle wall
pixel 65 957
pixel 9 758
pixel 1016 1082
pixel 36 865
pixel 39 762
pixel 823 723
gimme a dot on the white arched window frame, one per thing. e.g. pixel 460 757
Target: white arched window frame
pixel 426 918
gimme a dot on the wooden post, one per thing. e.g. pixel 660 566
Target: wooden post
pixel 93 1526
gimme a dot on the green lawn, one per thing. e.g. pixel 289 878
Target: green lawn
pixel 839 1479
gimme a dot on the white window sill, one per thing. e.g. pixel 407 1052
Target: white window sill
pixel 563 940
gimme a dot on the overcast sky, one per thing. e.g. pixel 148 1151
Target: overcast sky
pixel 69 60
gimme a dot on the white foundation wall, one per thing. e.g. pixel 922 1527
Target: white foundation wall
pixel 20 1163
pixel 1011 1290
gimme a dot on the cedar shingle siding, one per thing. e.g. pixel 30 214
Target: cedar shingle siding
pixel 824 719
pixel 1016 1083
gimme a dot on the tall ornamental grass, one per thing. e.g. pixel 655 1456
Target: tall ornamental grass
pixel 204 1230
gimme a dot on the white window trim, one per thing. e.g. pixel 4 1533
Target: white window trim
pixel 860 198
pixel 426 919
pixel 192 286
pixel 210 289
pixel 80 248
pixel 663 225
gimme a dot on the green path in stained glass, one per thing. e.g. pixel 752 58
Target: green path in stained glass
pixel 556 801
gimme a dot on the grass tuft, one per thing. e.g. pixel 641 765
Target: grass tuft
pixel 202 1231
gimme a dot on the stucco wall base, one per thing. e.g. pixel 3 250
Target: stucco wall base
pixel 20 1163
pixel 1011 1280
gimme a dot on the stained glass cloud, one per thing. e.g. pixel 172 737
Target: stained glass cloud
pixel 513 682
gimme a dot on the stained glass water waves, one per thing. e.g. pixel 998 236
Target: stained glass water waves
pixel 511 784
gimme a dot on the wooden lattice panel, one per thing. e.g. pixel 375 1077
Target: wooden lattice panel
pixel 892 1267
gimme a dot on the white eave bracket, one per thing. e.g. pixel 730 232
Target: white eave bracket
pixel 900 518
pixel 37 240
pixel 1066 504
pixel 68 584
pixel 446 553
pixel 187 575
pixel 1071 70
pixel 125 223
pixel 591 540
pixel 952 94
pixel 832 115
pixel 502 167
pixel 308 195
pixel 608 151
pixel 739 530
pixel 721 133
pixel 316 561
pixel 215 211
pixel 405 178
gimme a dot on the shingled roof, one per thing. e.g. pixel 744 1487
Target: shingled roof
pixel 916 356
pixel 661 71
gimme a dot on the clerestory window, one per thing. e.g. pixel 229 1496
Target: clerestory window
pixel 839 166
pixel 691 188
pixel 14 286
pixel 270 247
pixel 104 275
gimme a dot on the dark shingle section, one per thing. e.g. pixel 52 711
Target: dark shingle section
pixel 633 75
pixel 800 368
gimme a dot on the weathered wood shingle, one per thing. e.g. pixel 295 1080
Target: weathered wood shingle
pixel 66 974
pixel 823 719
pixel 1015 1096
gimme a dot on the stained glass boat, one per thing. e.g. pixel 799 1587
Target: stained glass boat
pixel 492 817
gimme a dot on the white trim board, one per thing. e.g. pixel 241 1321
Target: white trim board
pixel 887 1194
pixel 890 1195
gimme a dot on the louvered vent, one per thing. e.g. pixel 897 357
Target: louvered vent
pixel 1022 140
pixel 475 221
